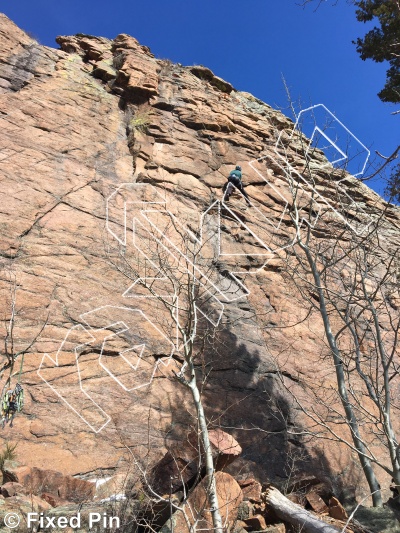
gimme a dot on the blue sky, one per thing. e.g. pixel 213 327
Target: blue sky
pixel 250 43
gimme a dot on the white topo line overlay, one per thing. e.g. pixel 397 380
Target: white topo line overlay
pixel 147 200
pixel 124 319
pixel 328 125
pixel 346 150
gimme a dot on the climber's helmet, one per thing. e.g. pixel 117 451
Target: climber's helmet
pixel 238 167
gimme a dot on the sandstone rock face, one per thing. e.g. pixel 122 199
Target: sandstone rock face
pixel 76 124
pixel 22 58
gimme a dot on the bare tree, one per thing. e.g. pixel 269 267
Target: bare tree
pixel 175 267
pixel 348 274
pixel 12 349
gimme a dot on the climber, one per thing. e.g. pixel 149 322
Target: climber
pixel 12 402
pixel 235 180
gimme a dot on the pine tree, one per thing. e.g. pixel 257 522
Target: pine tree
pixel 382 43
pixel 392 190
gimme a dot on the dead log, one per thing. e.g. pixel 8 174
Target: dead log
pixel 294 514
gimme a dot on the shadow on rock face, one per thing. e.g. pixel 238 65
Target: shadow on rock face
pixel 243 395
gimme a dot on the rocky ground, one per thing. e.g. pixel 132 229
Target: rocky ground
pixel 82 505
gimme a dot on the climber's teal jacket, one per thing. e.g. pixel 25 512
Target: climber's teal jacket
pixel 236 174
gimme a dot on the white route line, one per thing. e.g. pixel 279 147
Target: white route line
pixel 288 171
pixel 147 207
pixel 311 108
pixel 195 267
pixel 55 363
pixel 164 361
pixel 310 147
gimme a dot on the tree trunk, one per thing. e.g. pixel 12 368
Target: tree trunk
pixel 212 487
pixel 351 418
pixel 296 515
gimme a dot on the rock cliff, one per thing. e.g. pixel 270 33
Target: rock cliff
pixel 77 123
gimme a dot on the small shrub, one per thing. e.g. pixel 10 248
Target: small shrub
pixel 166 62
pixel 140 121
pixel 8 454
pixel 32 36
pixel 118 61
pixel 167 66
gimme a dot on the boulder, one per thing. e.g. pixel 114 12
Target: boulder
pixel 87 46
pixel 206 74
pixel 245 510
pixel 108 487
pixel 181 463
pixel 157 512
pixel 54 501
pixel 21 505
pixel 251 490
pixel 29 501
pixel 176 468
pixel 14 472
pixel 104 70
pixel 256 522
pixel 336 509
pixel 239 527
pixel 316 502
pixel 11 489
pixel 296 498
pixel 38 481
pixel 275 528
pixel 223 85
pixel 201 72
pixel 138 70
pixel 196 508
pixel 301 483
pixel 225 448
pixel 127 512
